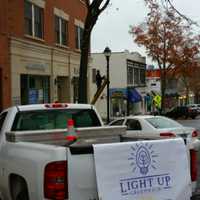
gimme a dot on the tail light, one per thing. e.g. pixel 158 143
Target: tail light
pixel 167 134
pixel 55 181
pixel 193 164
pixel 194 133
pixel 56 105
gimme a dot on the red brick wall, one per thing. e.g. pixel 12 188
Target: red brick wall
pixel 5 84
pixel 74 8
pixel 5 94
pixel 12 24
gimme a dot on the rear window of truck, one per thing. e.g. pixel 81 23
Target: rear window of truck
pixel 54 119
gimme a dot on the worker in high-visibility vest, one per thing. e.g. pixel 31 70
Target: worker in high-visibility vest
pixel 157 100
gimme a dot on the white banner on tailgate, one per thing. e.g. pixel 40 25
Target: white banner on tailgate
pixel 144 170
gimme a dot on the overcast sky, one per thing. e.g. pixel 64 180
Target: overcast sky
pixel 113 25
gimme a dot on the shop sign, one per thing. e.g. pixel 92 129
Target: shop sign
pixel 117 94
pixel 37 66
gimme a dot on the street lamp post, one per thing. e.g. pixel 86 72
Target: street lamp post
pixel 107 53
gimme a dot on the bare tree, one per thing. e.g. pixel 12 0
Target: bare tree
pixel 94 9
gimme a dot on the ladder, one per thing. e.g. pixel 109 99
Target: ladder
pixel 99 91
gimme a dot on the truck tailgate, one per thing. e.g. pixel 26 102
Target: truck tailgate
pixel 81 176
pixel 81 169
pixel 82 181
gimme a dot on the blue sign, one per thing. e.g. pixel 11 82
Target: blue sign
pixel 33 96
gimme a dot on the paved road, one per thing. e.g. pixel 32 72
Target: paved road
pixel 196 124
pixel 191 122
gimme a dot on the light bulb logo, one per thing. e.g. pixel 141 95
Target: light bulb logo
pixel 142 158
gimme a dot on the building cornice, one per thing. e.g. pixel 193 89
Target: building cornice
pixel 26 48
pixel 79 23
pixel 39 3
pixel 61 13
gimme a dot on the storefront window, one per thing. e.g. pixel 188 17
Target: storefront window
pixel 118 107
pixel 34 89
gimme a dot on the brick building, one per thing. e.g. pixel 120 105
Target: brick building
pixel 40 50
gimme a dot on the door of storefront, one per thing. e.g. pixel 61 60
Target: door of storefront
pixel 63 89
pixel 75 89
pixel 34 89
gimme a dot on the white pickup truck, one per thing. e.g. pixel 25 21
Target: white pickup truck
pixel 34 152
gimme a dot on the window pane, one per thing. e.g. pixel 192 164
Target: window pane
pixel 57 30
pixel 81 37
pixel 38 21
pixel 77 37
pixel 136 76
pixel 117 123
pixel 64 31
pixel 54 119
pixel 129 75
pixel 142 76
pixel 133 124
pixel 28 18
pixel 32 83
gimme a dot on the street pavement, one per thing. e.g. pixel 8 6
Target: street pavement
pixel 196 124
pixel 191 122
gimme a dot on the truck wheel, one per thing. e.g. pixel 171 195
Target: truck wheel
pixel 19 190
pixel 23 195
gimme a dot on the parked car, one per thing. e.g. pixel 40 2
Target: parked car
pixel 155 127
pixel 182 111
pixel 194 107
